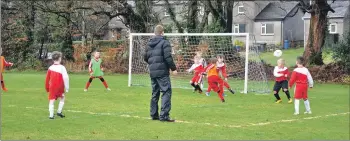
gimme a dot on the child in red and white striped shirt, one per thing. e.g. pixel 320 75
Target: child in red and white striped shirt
pixel 281 73
pixel 56 84
pixel 303 79
pixel 198 68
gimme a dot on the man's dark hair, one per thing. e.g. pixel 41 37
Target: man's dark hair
pixel 220 56
pixel 300 60
pixel 213 60
pixel 56 55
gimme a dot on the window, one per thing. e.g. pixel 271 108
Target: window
pixel 241 9
pixel 267 29
pixel 239 28
pixel 333 28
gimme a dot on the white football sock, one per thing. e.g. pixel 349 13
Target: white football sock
pixel 307 105
pixel 60 105
pixel 296 105
pixel 51 107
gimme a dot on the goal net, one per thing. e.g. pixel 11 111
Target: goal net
pixel 245 69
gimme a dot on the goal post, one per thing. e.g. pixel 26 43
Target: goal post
pixel 185 45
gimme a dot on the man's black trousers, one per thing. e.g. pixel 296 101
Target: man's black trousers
pixel 161 84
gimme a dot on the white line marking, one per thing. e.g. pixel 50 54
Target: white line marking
pixel 207 124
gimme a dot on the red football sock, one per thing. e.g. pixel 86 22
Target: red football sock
pixel 87 85
pixel 226 85
pixel 3 85
pixel 209 89
pixel 105 84
pixel 220 93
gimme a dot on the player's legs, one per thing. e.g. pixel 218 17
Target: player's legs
pixel 60 107
pixel 228 87
pixel 276 89
pixel 306 101
pixel 154 99
pixel 286 91
pixel 192 83
pixel 104 82
pixel 214 83
pixel 3 83
pixel 88 83
pixel 208 90
pixel 197 84
pixel 51 108
pixel 299 93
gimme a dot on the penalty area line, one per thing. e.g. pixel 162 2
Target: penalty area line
pixel 198 123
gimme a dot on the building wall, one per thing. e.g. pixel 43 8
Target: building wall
pixel 338 21
pixel 292 26
pixel 252 8
pixel 269 39
pixel 347 21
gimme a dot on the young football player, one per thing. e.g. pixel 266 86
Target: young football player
pixel 197 67
pixel 303 79
pixel 96 71
pixel 221 67
pixel 281 73
pixel 214 81
pixel 56 84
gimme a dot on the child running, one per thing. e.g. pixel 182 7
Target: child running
pixel 198 68
pixel 96 71
pixel 281 73
pixel 3 64
pixel 303 79
pixel 56 84
pixel 221 67
pixel 214 81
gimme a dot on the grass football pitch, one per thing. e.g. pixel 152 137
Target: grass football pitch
pixel 123 113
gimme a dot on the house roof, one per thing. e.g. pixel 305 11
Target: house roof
pixel 339 7
pixel 277 10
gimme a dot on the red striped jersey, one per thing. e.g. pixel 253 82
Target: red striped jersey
pixel 221 67
pixel 197 68
pixel 301 76
pixel 280 73
pixel 57 79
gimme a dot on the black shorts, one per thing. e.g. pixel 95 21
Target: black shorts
pixel 281 84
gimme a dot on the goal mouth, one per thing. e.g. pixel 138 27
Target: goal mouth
pixel 245 69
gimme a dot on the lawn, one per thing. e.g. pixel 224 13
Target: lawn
pixel 290 56
pixel 123 113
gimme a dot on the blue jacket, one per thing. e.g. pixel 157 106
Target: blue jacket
pixel 159 58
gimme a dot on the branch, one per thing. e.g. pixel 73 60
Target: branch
pixel 173 16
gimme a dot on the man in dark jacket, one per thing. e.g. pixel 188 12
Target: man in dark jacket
pixel 160 62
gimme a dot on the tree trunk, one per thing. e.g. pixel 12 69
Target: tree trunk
pixel 317 32
pixel 229 16
pixel 67 47
pixel 29 23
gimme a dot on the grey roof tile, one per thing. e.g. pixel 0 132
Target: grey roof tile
pixel 276 10
pixel 340 7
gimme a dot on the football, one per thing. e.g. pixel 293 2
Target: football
pixel 277 53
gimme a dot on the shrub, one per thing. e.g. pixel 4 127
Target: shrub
pixel 341 51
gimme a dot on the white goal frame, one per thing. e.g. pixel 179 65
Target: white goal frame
pixel 131 35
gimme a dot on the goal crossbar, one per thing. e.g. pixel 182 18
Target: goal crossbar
pixel 131 35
